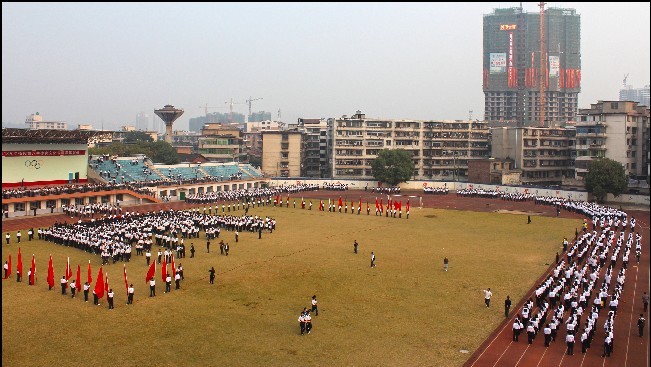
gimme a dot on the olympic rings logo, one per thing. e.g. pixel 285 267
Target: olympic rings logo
pixel 36 164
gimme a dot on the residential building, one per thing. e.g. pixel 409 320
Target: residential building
pixel 545 155
pixel 493 171
pixel 221 143
pixel 512 67
pixel 639 95
pixel 282 153
pixel 316 144
pixel 440 149
pixel 35 122
pixel 618 130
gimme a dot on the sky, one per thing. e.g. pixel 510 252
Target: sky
pixel 103 63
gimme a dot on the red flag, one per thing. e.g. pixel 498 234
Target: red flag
pixel 32 275
pixel 340 202
pixel 68 269
pixel 9 267
pixel 352 204
pixel 173 268
pixel 381 206
pixel 407 206
pixel 389 203
pixel 163 270
pixel 90 277
pixel 78 281
pixel 377 204
pixel 360 202
pixel 99 285
pixel 106 287
pixel 151 272
pixel 126 282
pixel 19 266
pixel 50 273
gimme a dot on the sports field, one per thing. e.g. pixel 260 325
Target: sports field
pixel 405 312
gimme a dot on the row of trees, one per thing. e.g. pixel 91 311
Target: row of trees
pixel 604 175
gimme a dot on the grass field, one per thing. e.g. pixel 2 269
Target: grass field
pixel 405 312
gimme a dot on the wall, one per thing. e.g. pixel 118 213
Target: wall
pixel 40 164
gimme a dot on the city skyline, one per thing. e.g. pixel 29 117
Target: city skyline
pixel 105 63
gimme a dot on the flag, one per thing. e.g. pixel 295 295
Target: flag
pixel 151 272
pixel 99 285
pixel 173 268
pixel 377 204
pixel 50 274
pixel 163 270
pixel 407 206
pixel 9 268
pixel 19 266
pixel 90 277
pixel 340 202
pixel 388 203
pixel 352 204
pixel 106 287
pixel 360 203
pixel 78 281
pixel 68 269
pixel 381 206
pixel 321 205
pixel 32 276
pixel 126 282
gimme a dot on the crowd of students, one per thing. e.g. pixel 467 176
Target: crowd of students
pixel 581 284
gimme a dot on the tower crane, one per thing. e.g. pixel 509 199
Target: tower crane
pixel 248 101
pixel 625 77
pixel 206 107
pixel 231 103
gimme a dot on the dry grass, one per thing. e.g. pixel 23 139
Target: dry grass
pixel 407 311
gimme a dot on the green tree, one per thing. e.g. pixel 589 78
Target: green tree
pixel 605 176
pixel 393 166
pixel 163 152
pixel 137 136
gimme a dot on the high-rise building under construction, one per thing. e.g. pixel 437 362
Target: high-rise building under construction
pixel 512 67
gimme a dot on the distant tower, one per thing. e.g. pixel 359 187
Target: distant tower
pixel 168 114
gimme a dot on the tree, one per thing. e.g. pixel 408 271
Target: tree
pixel 136 137
pixel 163 152
pixel 393 166
pixel 605 176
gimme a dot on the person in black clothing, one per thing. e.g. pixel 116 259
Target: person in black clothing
pixel 355 244
pixel 191 250
pixel 212 275
pixel 507 306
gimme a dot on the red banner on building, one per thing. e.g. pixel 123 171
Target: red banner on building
pixel 46 153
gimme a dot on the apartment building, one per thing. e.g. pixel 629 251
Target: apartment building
pixel 618 130
pixel 317 140
pixel 220 143
pixel 282 153
pixel 545 155
pixel 439 149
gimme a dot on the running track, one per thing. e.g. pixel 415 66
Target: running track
pixel 629 350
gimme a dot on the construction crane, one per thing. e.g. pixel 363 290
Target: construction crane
pixel 625 77
pixel 206 107
pixel 543 66
pixel 248 101
pixel 231 103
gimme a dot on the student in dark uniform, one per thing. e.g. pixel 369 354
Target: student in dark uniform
pixel 315 308
pixel 355 244
pixel 507 306
pixel 191 250
pixel 110 299
pixel 212 275
pixel 86 289
pixel 445 263
pixel 640 325
pixel 130 292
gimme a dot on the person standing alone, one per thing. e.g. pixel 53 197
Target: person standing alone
pixel 372 259
pixel 487 297
pixel 507 306
pixel 445 263
pixel 355 244
pixel 315 308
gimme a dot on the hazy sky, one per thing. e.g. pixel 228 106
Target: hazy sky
pixel 88 63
